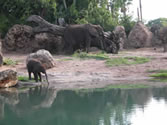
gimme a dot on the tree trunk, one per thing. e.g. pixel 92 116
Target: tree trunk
pixel 65 5
pixel 44 26
pixel 74 2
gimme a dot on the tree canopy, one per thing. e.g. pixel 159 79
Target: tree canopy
pixel 161 22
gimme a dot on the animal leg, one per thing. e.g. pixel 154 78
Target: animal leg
pixel 36 76
pixel 29 73
pixel 88 43
pixel 40 79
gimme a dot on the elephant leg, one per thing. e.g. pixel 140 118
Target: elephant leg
pixel 88 43
pixel 102 45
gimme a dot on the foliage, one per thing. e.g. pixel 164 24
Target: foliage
pixel 10 62
pixel 127 22
pixel 162 22
pixel 101 16
pixel 17 11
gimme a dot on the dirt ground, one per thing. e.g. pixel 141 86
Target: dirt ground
pixel 72 73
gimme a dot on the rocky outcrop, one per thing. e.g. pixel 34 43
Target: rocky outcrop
pixel 21 38
pixel 139 37
pixel 44 57
pixel 8 78
pixel 120 32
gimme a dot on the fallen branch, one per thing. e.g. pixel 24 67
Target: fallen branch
pixel 45 26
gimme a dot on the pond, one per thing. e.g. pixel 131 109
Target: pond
pixel 42 106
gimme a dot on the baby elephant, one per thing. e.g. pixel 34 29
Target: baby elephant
pixel 34 66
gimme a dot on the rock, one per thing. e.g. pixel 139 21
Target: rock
pixel 139 37
pixel 120 31
pixel 49 42
pixel 21 38
pixel 8 78
pixel 44 57
pixel 18 38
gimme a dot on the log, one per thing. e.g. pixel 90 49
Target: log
pixel 45 26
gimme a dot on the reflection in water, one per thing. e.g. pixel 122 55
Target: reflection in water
pixel 154 113
pixel 114 107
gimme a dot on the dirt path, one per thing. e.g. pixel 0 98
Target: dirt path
pixel 75 73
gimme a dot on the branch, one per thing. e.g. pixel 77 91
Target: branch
pixel 44 26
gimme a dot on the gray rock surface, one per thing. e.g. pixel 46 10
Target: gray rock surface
pixel 139 37
pixel 120 31
pixel 44 57
pixel 21 38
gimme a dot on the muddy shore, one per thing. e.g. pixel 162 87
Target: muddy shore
pixel 74 73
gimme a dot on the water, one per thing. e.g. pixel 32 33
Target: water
pixel 41 106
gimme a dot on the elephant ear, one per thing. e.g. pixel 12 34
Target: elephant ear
pixel 92 30
pixel 99 29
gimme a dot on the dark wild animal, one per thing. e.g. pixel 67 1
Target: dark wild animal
pixel 36 67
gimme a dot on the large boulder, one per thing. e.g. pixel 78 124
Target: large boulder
pixel 49 42
pixel 120 32
pixel 44 57
pixel 22 38
pixel 18 38
pixel 8 78
pixel 139 37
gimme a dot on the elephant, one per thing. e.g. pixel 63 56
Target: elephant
pixel 161 35
pixel 80 36
pixel 35 66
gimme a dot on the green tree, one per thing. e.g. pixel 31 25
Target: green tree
pixel 16 11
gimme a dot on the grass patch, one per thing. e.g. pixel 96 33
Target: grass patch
pixel 9 62
pixel 126 61
pixel 159 75
pixel 158 71
pixel 116 61
pixel 159 80
pixel 98 56
pixel 24 79
pixel 66 59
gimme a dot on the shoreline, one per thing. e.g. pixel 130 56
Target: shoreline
pixel 92 73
